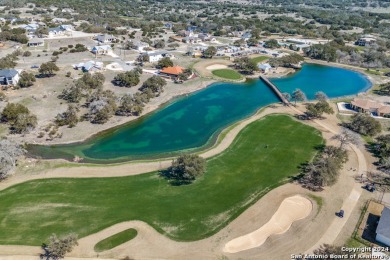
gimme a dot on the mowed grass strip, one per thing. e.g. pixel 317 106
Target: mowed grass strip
pixel 259 59
pixel 262 157
pixel 116 240
pixel 227 74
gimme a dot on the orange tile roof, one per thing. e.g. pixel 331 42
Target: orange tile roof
pixel 175 70
pixel 366 104
pixel 384 110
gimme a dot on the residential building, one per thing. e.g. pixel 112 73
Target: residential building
pixel 191 39
pixel 105 38
pixel 246 36
pixel 101 49
pixel 35 42
pixel 206 37
pixel 9 77
pixel 139 45
pixel 383 229
pixel 156 55
pixel 370 106
pixel 30 28
pixel 90 66
pixel 264 67
pixel 172 71
pixel 57 31
pixel 365 41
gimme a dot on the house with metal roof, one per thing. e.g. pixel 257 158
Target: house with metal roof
pixel 9 77
pixel 89 66
pixel 105 38
pixel 101 49
pixel 35 42
pixel 383 229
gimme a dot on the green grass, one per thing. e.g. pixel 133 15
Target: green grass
pixel 116 240
pixel 259 59
pixel 30 212
pixel 227 74
pixel 319 201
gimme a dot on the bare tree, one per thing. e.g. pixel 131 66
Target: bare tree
pixel 346 137
pixel 58 247
pixel 9 153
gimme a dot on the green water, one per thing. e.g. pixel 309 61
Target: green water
pixel 193 122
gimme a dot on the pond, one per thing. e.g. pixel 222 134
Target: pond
pixel 193 122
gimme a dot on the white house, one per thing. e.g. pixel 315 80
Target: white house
pixel 383 229
pixel 156 55
pixel 264 67
pixel 35 42
pixel 32 27
pixel 139 45
pixel 102 49
pixel 9 77
pixel 89 66
pixel 105 38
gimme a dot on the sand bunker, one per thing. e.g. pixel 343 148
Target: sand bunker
pixel 291 209
pixel 216 67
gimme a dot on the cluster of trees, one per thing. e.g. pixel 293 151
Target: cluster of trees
pixel 164 62
pixel 26 80
pixel 19 118
pixel 210 52
pixel 382 150
pixel 384 89
pixel 364 124
pixel 245 65
pixel 58 247
pixel 102 104
pixel 288 61
pixel 9 154
pixel 316 110
pixel 324 170
pixel 15 34
pixel 9 61
pixel 185 169
pixel 129 78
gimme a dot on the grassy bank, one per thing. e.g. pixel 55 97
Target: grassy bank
pixel 116 240
pixel 262 157
pixel 227 74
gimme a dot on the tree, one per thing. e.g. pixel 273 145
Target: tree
pixel 298 95
pixel 156 84
pixel 26 80
pixel 286 96
pixel 164 62
pixel 318 109
pixel 27 54
pixel 210 52
pixel 245 65
pixel 69 117
pixel 186 168
pixel 252 42
pixel 9 154
pixel 322 52
pixel 126 107
pixel 58 247
pixel 272 44
pixel 159 44
pixel 72 94
pixel 174 45
pixel 11 111
pixel 346 137
pixel 47 69
pixel 127 79
pixel 321 96
pixel 364 124
pixel 24 123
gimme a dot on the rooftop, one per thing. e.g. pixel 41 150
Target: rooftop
pixel 175 70
pixel 8 73
pixel 384 223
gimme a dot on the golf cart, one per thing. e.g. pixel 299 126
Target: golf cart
pixel 340 214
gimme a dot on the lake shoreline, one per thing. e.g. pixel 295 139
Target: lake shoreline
pixel 170 101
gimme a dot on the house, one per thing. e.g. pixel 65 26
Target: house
pixel 90 66
pixel 172 71
pixel 191 39
pixel 370 106
pixel 67 27
pixel 102 49
pixel 139 45
pixel 30 28
pixel 35 42
pixel 206 37
pixel 365 41
pixel 57 31
pixel 246 36
pixel 9 77
pixel 168 25
pixel 156 56
pixel 383 229
pixel 264 67
pixel 59 20
pixel 105 38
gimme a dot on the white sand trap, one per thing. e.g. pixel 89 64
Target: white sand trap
pixel 216 67
pixel 291 209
